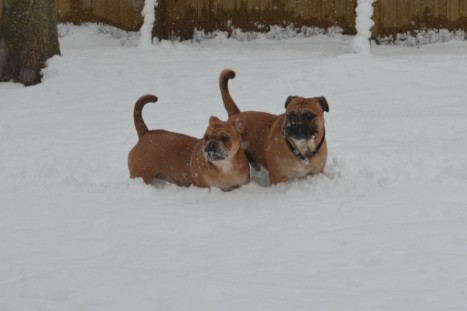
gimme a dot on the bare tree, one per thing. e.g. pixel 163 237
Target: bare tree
pixel 28 37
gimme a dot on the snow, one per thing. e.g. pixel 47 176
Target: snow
pixel 145 40
pixel 424 36
pixel 385 228
pixel 363 24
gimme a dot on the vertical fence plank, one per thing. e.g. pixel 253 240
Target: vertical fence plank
pixel 390 14
pixel 131 10
pixel 463 8
pixel 87 4
pixel 108 10
pixel 435 4
pixel 340 8
pixel 304 9
pixel 423 13
pixel 443 8
pixel 453 13
pixel 298 9
pixel 327 12
pixel 255 13
pixel 214 7
pixel 403 18
pixel 62 7
pixel 254 5
pixel 378 28
pixel 352 15
pixel 120 15
pixel 98 8
pixel 326 9
pixel 316 12
pixel 443 13
pixel 415 13
pixel 340 13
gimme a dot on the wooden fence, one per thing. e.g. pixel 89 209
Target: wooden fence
pixel 396 16
pixel 125 14
pixel 179 18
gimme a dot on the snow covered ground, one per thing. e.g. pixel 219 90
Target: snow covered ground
pixel 385 228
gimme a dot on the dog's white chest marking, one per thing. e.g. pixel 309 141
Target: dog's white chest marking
pixel 304 150
pixel 305 145
pixel 224 165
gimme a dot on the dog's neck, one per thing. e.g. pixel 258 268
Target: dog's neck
pixel 224 166
pixel 305 156
pixel 230 162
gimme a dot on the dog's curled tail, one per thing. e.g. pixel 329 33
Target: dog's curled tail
pixel 229 103
pixel 140 126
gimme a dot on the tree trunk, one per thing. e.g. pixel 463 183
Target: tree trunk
pixel 28 37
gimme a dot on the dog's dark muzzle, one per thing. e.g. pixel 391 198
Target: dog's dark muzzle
pixel 300 131
pixel 213 152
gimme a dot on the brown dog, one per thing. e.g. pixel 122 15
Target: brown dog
pixel 216 160
pixel 289 145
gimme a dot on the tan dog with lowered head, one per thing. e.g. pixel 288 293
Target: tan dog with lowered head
pixel 288 145
pixel 217 160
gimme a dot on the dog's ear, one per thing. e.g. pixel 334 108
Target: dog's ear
pixel 213 119
pixel 288 100
pixel 324 103
pixel 239 125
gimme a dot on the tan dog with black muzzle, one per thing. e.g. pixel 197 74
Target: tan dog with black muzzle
pixel 217 160
pixel 288 145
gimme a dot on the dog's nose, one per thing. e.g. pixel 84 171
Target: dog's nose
pixel 301 132
pixel 211 146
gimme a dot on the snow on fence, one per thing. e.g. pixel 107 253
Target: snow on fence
pixel 364 23
pixel 179 18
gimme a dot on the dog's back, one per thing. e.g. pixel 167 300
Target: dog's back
pixel 162 154
pixel 153 154
pixel 257 127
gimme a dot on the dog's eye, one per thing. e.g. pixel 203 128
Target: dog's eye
pixel 308 115
pixel 292 115
pixel 225 138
